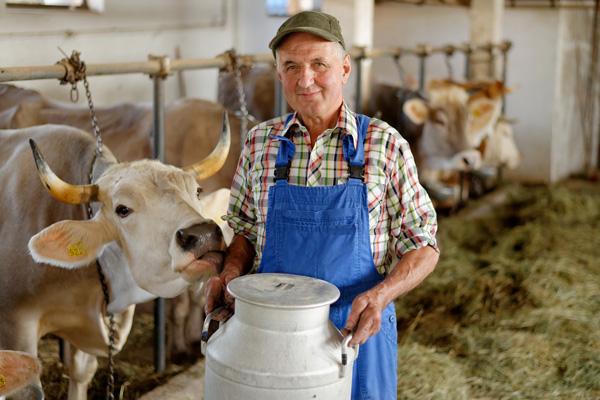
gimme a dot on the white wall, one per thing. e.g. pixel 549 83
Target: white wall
pixel 532 72
pixel 126 32
pixel 572 128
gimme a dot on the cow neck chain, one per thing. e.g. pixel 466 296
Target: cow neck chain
pixel 111 319
pixel 242 96
pixel 95 126
pixel 75 71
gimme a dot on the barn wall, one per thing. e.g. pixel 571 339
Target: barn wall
pixel 126 32
pixel 575 129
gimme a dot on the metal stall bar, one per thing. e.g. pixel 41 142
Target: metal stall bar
pixel 158 152
pixel 359 77
pixel 150 67
pixel 504 48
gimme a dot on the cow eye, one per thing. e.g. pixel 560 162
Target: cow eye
pixel 123 211
pixel 199 191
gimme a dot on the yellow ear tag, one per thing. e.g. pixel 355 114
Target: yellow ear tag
pixel 2 381
pixel 77 249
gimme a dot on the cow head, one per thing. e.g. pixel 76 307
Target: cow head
pixel 151 210
pixel 453 122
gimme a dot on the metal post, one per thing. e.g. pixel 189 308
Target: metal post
pixel 279 99
pixel 358 105
pixel 422 51
pixel 468 52
pixel 158 151
pixel 504 48
pixel 492 62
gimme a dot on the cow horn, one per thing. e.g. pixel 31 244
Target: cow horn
pixel 215 160
pixel 59 189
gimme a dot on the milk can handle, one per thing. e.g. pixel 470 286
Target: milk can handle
pixel 206 328
pixel 345 346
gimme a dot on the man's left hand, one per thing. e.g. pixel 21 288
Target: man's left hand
pixel 365 316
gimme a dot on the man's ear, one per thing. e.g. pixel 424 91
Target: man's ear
pixel 347 68
pixel 69 244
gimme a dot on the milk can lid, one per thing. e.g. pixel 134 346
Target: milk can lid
pixel 283 290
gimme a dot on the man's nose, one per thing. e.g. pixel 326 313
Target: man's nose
pixel 307 78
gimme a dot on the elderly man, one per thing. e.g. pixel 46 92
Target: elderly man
pixel 331 194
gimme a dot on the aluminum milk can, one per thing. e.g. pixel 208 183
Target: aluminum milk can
pixel 279 343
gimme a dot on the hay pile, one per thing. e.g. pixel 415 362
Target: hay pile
pixel 513 308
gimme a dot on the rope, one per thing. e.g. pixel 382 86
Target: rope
pixel 74 72
pixel 234 64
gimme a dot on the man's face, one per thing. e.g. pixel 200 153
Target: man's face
pixel 313 72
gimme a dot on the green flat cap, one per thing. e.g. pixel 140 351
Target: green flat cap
pixel 315 22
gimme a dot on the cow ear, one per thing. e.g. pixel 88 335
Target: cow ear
pixel 69 244
pixel 483 114
pixel 17 369
pixel 416 110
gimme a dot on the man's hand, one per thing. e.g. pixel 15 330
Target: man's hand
pixel 216 291
pixel 365 316
pixel 238 261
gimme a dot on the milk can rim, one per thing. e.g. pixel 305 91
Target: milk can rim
pixel 312 293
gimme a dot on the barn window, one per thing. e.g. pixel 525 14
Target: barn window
pixel 285 8
pixel 93 5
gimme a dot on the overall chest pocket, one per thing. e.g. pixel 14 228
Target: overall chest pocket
pixel 323 244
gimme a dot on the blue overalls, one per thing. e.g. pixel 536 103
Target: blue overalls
pixel 323 232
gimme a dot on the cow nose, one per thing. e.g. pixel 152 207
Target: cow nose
pixel 189 237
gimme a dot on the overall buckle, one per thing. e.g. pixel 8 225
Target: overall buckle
pixel 357 171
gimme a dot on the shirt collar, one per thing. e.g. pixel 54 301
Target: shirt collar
pixel 346 123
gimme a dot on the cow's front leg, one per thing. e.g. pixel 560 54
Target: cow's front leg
pixel 180 308
pixel 81 368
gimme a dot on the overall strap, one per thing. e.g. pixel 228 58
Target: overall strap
pixel 285 154
pixel 356 157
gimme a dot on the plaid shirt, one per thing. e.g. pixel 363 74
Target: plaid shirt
pixel 401 216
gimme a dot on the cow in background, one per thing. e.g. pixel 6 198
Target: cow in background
pixel 191 127
pixel 150 227
pixel 445 130
pixel 191 130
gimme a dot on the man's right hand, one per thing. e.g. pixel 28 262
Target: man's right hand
pixel 238 261
pixel 216 291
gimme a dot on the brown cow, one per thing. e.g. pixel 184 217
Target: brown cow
pixel 150 226
pixel 191 130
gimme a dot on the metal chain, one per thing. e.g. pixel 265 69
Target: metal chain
pixel 449 52
pixel 75 71
pixel 111 320
pixel 401 71
pixel 111 336
pixel 243 112
pixel 95 126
